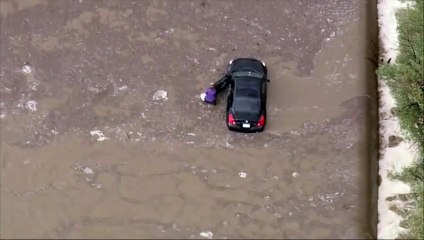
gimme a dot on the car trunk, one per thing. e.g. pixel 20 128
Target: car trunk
pixel 242 117
pixel 246 120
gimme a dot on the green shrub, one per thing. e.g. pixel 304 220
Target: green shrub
pixel 405 79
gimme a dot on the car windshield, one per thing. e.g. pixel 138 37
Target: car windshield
pixel 247 105
pixel 247 74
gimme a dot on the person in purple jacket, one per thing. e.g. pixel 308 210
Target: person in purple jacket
pixel 209 96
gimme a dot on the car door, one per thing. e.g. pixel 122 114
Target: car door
pixel 230 94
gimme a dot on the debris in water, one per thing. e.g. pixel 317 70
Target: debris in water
pixel 94 89
pixel 100 136
pixel 125 87
pixel 295 174
pixel 31 105
pixel 97 185
pixel 160 95
pixel 175 227
pixel 330 197
pixel 171 30
pixel 26 69
pixel 88 171
pixel 207 234
pixel 242 174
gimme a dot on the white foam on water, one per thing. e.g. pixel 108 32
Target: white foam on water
pixel 94 89
pixel 100 136
pixel 97 185
pixel 125 87
pixel 392 159
pixel 160 95
pixel 26 69
pixel 31 105
pixel 88 171
pixel 206 234
pixel 242 174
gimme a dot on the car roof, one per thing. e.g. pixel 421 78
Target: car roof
pixel 247 87
pixel 247 98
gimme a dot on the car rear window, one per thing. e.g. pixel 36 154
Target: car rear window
pixel 247 105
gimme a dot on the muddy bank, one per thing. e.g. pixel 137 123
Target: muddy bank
pixel 103 133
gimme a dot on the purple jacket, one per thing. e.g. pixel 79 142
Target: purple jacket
pixel 210 95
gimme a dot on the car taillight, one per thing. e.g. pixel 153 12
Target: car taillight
pixel 231 120
pixel 261 121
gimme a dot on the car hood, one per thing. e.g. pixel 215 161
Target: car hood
pixel 248 65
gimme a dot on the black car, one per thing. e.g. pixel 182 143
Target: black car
pixel 246 106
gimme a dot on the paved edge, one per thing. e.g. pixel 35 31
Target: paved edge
pixel 372 128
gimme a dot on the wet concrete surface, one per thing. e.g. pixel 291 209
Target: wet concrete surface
pixel 103 133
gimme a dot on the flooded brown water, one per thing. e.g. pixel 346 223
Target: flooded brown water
pixel 103 134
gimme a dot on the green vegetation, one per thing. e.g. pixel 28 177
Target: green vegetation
pixel 406 81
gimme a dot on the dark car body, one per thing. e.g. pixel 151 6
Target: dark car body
pixel 246 104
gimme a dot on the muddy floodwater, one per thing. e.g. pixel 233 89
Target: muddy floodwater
pixel 103 133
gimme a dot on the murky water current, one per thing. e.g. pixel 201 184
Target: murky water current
pixel 89 149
